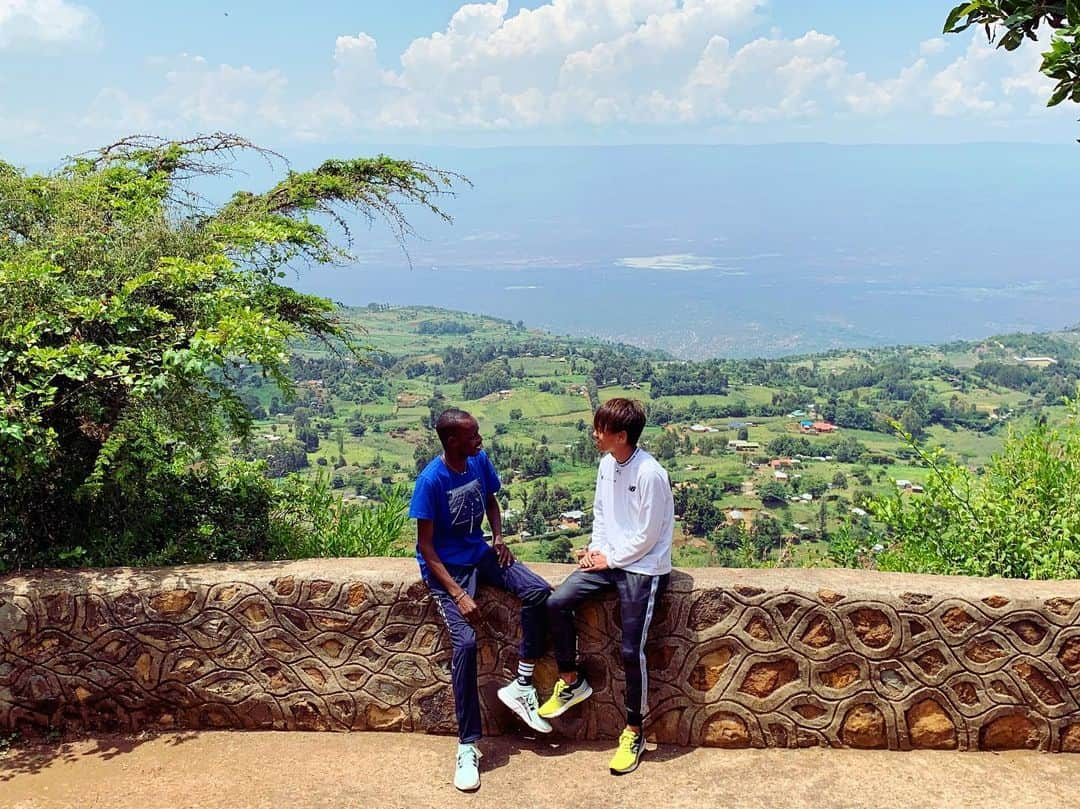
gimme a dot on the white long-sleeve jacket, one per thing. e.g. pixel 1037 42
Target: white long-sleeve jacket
pixel 633 514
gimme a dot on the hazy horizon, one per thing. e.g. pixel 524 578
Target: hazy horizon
pixel 742 250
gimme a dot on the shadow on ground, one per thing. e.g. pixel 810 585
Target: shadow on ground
pixel 33 755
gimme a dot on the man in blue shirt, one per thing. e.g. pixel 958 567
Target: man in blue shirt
pixel 449 502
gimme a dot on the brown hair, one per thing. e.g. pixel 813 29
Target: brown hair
pixel 616 415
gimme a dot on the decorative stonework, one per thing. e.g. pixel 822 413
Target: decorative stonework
pixel 738 658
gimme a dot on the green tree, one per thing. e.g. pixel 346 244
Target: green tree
pixel 356 425
pixel 1019 519
pixel 773 494
pixel 308 437
pixel 729 537
pixel 666 446
pixel 559 550
pixel 701 516
pixel 813 484
pixel 912 421
pixel 301 418
pixel 426 449
pixel 766 533
pixel 126 307
pixel 1009 22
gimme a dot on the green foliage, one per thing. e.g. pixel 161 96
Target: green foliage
pixel 494 376
pixel 126 308
pixel 1009 22
pixel 665 446
pixel 313 521
pixel 848 548
pixel 766 533
pixel 734 546
pixel 1020 519
pixel 701 515
pixel 559 550
pixel 773 493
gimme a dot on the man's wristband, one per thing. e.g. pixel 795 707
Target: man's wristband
pixel 459 596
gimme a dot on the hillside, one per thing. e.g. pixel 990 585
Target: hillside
pixel 816 429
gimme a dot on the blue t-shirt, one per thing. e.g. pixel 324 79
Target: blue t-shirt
pixel 455 504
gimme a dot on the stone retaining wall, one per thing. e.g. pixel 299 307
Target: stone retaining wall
pixel 790 658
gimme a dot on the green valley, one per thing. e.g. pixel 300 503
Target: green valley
pixel 768 458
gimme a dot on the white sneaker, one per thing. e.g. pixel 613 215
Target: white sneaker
pixel 522 700
pixel 467 774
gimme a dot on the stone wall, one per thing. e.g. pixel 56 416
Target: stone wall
pixel 789 658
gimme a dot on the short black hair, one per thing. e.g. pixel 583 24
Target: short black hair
pixel 616 415
pixel 449 421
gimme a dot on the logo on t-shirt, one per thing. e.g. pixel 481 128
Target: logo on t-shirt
pixel 466 506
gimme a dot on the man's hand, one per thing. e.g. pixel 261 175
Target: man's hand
pixel 468 609
pixel 505 555
pixel 596 561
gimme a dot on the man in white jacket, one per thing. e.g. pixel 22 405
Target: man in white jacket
pixel 630 550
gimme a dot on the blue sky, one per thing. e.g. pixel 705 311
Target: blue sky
pixel 443 72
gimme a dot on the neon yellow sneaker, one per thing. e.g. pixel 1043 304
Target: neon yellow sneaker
pixel 565 697
pixel 629 753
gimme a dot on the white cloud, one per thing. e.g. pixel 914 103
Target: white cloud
pixel 675 262
pixel 575 64
pixel 31 23
pixel 963 87
pixel 983 80
pixel 930 47
pixel 766 79
pixel 198 95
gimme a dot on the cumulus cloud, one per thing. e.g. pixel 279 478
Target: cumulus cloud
pixel 984 82
pixel 930 47
pixel 589 63
pixel 197 94
pixel 32 23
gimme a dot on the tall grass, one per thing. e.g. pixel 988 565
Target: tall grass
pixel 313 521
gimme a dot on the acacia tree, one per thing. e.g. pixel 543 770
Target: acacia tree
pixel 1009 22
pixel 126 302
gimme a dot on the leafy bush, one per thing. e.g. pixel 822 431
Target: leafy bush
pixel 313 521
pixel 558 550
pixel 1020 519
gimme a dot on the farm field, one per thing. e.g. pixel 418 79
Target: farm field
pixel 820 435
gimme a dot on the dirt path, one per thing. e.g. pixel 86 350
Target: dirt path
pixel 329 770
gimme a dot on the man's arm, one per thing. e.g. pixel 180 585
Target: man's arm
pixel 425 543
pixel 628 548
pixel 494 515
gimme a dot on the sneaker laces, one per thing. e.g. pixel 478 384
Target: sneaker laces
pixel 627 740
pixel 468 755
pixel 562 689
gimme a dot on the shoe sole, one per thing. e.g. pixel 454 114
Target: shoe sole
pixel 514 706
pixel 467 789
pixel 577 699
